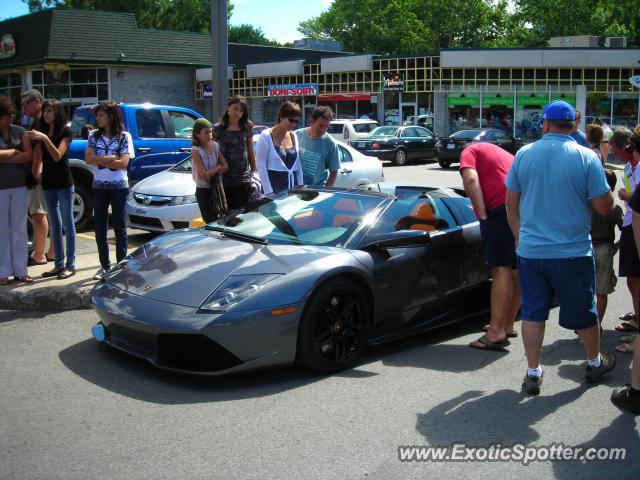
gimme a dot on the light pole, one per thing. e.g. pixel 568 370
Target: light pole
pixel 220 57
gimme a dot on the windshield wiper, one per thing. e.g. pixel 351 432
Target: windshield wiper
pixel 241 236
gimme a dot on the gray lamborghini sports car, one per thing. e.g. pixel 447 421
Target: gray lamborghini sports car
pixel 310 276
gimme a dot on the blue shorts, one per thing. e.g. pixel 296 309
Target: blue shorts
pixel 497 238
pixel 572 280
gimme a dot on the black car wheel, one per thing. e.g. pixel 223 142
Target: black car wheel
pixel 82 206
pixel 400 157
pixel 30 243
pixel 334 328
pixel 444 163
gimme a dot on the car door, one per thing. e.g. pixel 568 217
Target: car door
pixel 503 140
pixel 180 129
pixel 417 286
pixel 409 138
pixel 154 149
pixel 427 142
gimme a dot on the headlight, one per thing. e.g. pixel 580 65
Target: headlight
pixel 235 289
pixel 130 196
pixel 184 200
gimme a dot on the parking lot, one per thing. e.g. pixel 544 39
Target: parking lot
pixel 72 408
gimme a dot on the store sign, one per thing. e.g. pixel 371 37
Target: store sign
pixel 533 101
pixel 294 90
pixel 7 46
pixel 392 82
pixel 207 91
pixel 466 101
pixel 635 81
pixel 502 101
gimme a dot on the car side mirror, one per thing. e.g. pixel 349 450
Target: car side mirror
pixel 398 239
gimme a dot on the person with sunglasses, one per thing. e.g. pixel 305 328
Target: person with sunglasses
pixel 277 152
pixel 15 152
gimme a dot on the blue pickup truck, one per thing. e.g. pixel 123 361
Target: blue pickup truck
pixel 161 138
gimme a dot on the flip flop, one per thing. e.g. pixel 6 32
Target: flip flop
pixel 627 316
pixel 489 345
pixel 627 338
pixel 625 347
pixel 24 279
pixel 626 326
pixel 513 334
pixel 31 262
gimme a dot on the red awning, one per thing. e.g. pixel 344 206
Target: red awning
pixel 343 97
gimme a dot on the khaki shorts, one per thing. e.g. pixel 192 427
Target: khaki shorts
pixel 605 276
pixel 36 200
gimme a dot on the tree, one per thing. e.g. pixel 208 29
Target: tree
pixel 249 34
pixel 185 15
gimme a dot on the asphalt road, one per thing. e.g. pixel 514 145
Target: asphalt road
pixel 71 408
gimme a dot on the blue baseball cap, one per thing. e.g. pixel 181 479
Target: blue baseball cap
pixel 557 110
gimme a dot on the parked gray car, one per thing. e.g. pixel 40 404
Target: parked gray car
pixel 311 275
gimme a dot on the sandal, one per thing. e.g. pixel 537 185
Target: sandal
pixel 487 344
pixel 627 338
pixel 625 347
pixel 53 273
pixel 31 262
pixel 50 259
pixel 627 316
pixel 24 279
pixel 626 326
pixel 66 273
pixel 513 334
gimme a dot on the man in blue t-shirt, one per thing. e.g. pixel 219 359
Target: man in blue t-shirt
pixel 552 188
pixel 576 134
pixel 318 150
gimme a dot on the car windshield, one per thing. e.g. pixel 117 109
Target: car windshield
pixel 475 134
pixel 301 217
pixel 183 166
pixel 384 132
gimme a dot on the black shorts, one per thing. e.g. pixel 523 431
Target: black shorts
pixel 499 244
pixel 629 265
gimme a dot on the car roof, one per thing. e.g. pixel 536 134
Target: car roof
pixel 388 189
pixel 352 120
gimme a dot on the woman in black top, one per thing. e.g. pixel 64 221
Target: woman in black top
pixel 234 134
pixel 51 168
pixel 15 151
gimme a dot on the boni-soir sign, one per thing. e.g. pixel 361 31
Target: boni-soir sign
pixel 293 90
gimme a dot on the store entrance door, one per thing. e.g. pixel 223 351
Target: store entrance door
pixel 408 112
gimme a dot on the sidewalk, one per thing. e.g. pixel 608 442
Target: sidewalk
pixel 51 293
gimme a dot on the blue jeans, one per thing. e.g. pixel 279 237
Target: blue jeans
pixel 117 198
pixel 60 210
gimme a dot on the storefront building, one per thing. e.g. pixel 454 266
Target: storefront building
pixel 82 57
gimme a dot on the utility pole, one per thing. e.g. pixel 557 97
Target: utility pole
pixel 220 58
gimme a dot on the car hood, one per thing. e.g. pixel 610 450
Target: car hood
pixel 167 183
pixel 378 139
pixel 185 267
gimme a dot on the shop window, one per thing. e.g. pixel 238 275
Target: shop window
pixel 505 74
pixel 516 74
pixel 493 73
pixel 83 75
pixel 83 91
pixel 481 74
pixel 36 77
pixel 552 74
pixel 625 110
pixel 589 74
pixel 529 74
pixel 565 74
pixel 457 73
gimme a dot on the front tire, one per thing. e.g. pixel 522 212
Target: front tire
pixel 400 157
pixel 334 328
pixel 82 206
pixel 444 163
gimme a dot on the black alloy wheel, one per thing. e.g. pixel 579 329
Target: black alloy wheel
pixel 334 328
pixel 400 157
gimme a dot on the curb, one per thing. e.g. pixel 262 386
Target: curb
pixel 67 297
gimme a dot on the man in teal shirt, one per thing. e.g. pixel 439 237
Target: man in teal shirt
pixel 318 151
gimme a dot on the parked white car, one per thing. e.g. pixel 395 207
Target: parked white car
pixel 166 200
pixel 347 130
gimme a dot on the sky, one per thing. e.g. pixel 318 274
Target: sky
pixel 278 19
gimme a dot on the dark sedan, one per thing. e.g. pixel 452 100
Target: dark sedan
pixel 398 144
pixel 450 148
pixel 311 276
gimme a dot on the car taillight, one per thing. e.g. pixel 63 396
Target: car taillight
pixel 375 146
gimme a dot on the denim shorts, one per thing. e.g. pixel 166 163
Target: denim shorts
pixel 497 238
pixel 572 280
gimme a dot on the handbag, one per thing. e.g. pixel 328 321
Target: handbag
pixel 218 198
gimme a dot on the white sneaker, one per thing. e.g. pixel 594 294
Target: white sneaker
pixel 99 274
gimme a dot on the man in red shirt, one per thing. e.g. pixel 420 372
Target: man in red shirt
pixel 484 167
